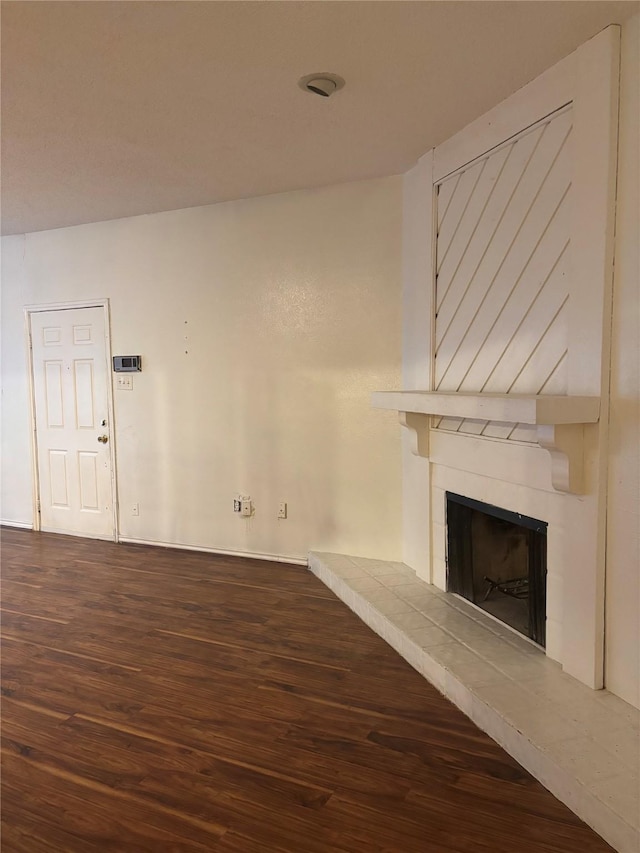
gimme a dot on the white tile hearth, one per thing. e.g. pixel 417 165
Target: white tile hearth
pixel 582 744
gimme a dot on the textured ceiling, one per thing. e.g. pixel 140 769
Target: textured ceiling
pixel 112 109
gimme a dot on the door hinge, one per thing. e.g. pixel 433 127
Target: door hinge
pixel 38 505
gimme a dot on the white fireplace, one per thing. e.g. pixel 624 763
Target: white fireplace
pixel 507 251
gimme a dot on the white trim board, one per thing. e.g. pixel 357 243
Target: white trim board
pixel 63 306
pixel 274 558
pixel 23 525
pixel 548 93
pixel 493 407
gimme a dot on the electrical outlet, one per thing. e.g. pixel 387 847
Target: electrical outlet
pixel 237 504
pixel 282 510
pixel 135 509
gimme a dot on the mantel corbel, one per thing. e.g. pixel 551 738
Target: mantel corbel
pixel 418 427
pixel 565 445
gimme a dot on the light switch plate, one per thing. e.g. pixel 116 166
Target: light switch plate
pixel 124 382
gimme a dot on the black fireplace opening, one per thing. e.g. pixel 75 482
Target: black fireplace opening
pixel 498 560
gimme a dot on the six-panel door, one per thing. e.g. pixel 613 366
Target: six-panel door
pixel 70 375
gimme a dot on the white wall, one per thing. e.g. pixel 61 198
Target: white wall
pixel 623 538
pixel 264 325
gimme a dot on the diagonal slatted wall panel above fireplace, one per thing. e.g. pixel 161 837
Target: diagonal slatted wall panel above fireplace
pixel 502 273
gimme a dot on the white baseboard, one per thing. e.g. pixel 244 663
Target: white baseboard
pixel 24 525
pixel 275 558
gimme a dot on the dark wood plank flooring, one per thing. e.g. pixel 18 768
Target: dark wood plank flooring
pixel 158 700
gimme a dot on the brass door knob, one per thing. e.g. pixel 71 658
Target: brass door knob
pixel 103 439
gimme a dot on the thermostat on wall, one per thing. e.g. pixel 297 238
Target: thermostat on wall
pixel 127 363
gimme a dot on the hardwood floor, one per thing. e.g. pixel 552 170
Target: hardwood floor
pixel 160 700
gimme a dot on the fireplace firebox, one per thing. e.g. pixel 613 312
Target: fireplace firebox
pixel 498 560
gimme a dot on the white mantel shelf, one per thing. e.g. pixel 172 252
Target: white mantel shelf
pixel 559 422
pixel 507 408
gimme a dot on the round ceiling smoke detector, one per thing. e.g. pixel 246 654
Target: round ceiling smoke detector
pixel 323 84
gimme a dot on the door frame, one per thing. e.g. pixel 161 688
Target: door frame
pixel 39 308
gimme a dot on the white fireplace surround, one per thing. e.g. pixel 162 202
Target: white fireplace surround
pixel 517 478
pixel 568 490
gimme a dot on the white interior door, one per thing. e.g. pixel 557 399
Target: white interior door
pixel 70 375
